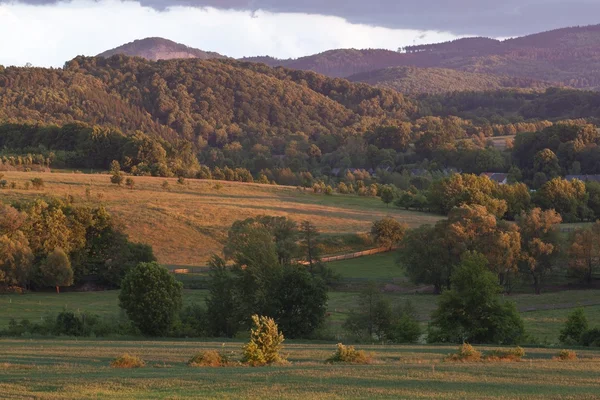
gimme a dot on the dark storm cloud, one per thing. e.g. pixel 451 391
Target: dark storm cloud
pixel 480 17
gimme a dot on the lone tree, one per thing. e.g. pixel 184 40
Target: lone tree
pixel 130 183
pixel 388 232
pixel 151 297
pixel 387 195
pixel 309 236
pixel 56 270
pixel 472 311
pixel 116 176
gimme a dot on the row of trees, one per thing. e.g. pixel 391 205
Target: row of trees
pixel 54 243
pixel 531 248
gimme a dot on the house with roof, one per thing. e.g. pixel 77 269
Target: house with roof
pixel 584 178
pixel 500 178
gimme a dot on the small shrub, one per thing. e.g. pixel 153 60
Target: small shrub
pixel 127 361
pixel 166 186
pixel 3 183
pixel 130 183
pixel 26 185
pixel 13 185
pixel 181 180
pixel 218 186
pixel 117 178
pixel 574 328
pixel 348 354
pixel 210 358
pixel 265 343
pixel 38 183
pixel 566 355
pixel 328 190
pixel 466 352
pixel 515 354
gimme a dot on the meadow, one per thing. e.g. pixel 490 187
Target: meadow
pixel 544 315
pixel 61 369
pixel 186 224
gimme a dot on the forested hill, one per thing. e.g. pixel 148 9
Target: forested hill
pixel 194 98
pixel 159 49
pixel 569 56
pixel 440 80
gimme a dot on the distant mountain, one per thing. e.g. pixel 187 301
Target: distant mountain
pixel 439 80
pixel 569 56
pixel 159 49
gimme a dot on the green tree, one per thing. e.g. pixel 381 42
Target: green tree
pixel 16 259
pixel 223 301
pixel 152 298
pixel 405 326
pixel 576 325
pixel 374 316
pixel 309 236
pixel 388 194
pixel 388 232
pixel 56 270
pixel 300 302
pixel 472 311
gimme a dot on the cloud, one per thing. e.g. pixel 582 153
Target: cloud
pixel 495 18
pixel 50 34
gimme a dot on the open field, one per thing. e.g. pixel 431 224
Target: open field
pixel 544 315
pixel 61 369
pixel 188 223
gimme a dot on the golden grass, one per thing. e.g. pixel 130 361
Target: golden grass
pixel 188 223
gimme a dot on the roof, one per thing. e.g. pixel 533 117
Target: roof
pixel 584 178
pixel 495 176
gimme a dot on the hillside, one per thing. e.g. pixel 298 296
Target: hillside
pixel 186 224
pixel 440 80
pixel 159 49
pixel 569 56
pixel 193 98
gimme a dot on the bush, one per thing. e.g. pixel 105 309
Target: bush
pixel 348 354
pixel 127 361
pixel 265 343
pixel 130 183
pixel 575 327
pixel 38 183
pixel 209 358
pixel 117 178
pixel 466 352
pixel 181 180
pixel 591 338
pixel 67 323
pixel 515 354
pixel 566 355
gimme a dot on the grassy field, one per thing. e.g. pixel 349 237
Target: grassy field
pixel 79 370
pixel 188 223
pixel 544 315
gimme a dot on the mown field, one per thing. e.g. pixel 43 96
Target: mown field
pixel 188 223
pixel 61 369
pixel 544 315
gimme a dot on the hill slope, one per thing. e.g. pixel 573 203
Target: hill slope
pixel 570 56
pixel 440 80
pixel 194 98
pixel 159 49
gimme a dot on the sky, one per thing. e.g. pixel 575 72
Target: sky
pixel 50 32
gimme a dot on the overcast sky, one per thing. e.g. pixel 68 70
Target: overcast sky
pixel 48 32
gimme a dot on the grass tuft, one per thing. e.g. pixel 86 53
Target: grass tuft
pixel 566 355
pixel 348 354
pixel 465 353
pixel 515 354
pixel 209 358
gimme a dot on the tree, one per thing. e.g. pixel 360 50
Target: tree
pixel 373 317
pixel 309 235
pixel 152 297
pixel 584 252
pixel 567 198
pixel 16 259
pixel 223 301
pixel 576 325
pixel 405 327
pixel 472 311
pixel 388 195
pixel 388 232
pixel 540 244
pixel 545 161
pixel 300 302
pixel 56 270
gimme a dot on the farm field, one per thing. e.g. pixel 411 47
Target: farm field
pixel 61 369
pixel 544 315
pixel 188 223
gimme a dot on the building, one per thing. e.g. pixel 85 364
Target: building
pixel 500 178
